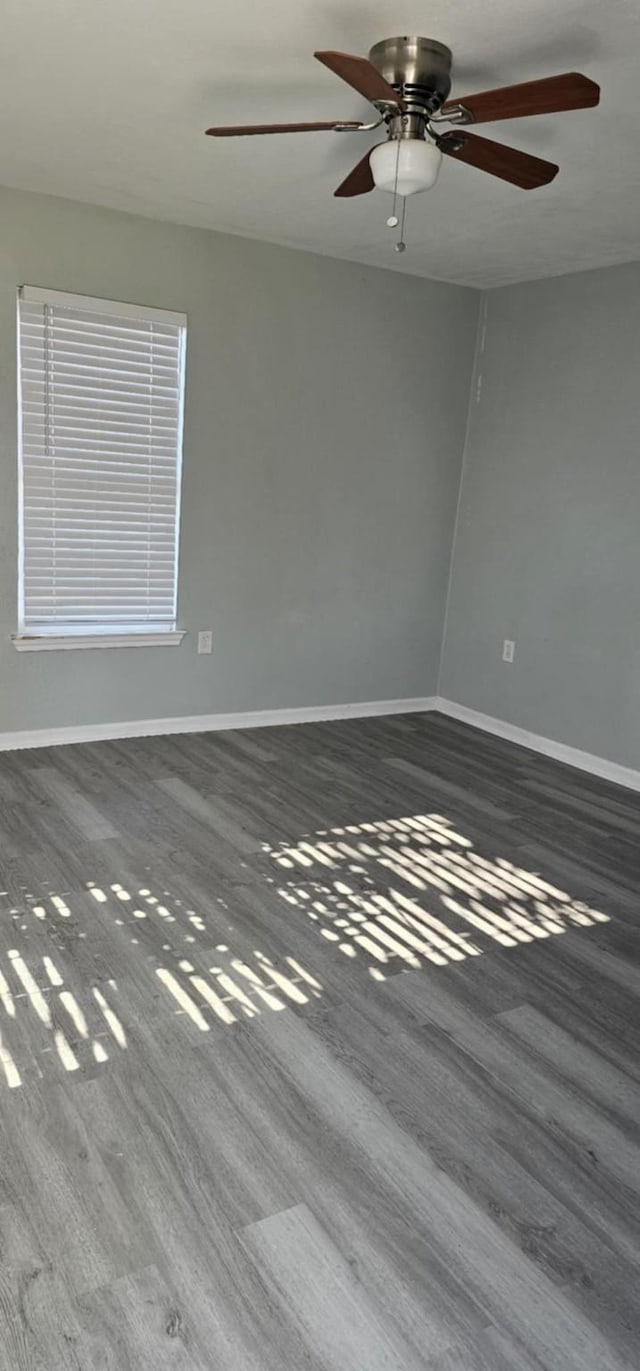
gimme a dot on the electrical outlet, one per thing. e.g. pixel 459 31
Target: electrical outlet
pixel 508 650
pixel 205 640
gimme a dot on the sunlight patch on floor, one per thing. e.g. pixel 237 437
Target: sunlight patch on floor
pixel 455 902
pixel 384 895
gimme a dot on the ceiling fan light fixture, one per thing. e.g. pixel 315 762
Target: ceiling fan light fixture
pixel 406 166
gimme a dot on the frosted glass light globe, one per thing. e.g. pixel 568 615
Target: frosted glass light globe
pixel 417 163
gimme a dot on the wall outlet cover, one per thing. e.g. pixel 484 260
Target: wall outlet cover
pixel 205 640
pixel 508 650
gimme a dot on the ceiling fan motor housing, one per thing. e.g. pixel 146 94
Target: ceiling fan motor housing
pixel 418 68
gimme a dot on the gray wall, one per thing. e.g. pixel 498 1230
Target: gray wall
pixel 547 550
pixel 321 469
pixel 322 463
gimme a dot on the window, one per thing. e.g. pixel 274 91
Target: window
pixel 100 419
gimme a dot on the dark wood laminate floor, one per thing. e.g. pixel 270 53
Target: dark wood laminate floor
pixel 319 1049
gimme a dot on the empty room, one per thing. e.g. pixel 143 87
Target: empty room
pixel 319 686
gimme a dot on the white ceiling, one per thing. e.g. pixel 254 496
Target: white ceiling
pixel 106 101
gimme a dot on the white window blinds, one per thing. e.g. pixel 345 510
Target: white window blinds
pixel 101 391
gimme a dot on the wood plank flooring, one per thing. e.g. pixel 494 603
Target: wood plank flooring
pixel 319 1051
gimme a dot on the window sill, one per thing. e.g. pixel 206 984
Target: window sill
pixel 56 642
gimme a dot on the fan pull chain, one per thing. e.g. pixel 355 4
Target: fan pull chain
pixel 395 183
pixel 392 221
pixel 401 245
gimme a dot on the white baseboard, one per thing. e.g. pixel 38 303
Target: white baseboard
pixel 304 714
pixel 206 723
pixel 572 756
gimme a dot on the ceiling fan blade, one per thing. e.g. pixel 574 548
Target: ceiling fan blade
pixel 520 168
pixel 239 130
pixel 362 75
pixel 549 96
pixel 359 181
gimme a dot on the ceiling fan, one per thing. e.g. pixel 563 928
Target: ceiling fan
pixel 408 81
